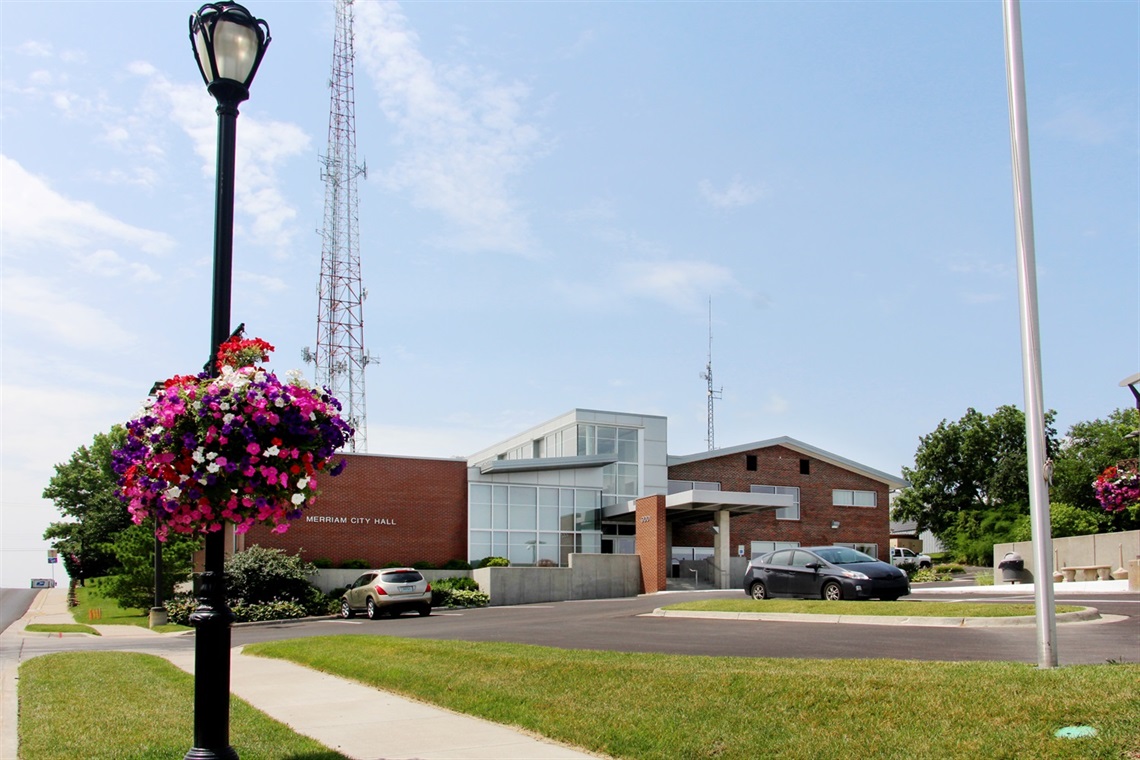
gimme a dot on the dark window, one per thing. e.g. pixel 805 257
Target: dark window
pixel 805 467
pixel 750 462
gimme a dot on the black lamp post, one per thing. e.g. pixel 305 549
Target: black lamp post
pixel 228 44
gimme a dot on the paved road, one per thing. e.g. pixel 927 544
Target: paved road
pixel 620 625
pixel 14 602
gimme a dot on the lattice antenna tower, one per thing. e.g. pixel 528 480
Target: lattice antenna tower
pixel 340 357
pixel 713 394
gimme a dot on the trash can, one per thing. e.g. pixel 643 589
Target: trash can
pixel 1012 568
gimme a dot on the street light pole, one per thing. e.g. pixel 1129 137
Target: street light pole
pixel 228 44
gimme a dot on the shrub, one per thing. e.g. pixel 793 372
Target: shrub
pixel 928 575
pixel 323 563
pixel 494 562
pixel 443 589
pixel 909 568
pixel 274 610
pixel 951 567
pixel 355 564
pixel 179 608
pixel 984 579
pixel 259 575
pixel 455 564
pixel 546 563
pixel 464 598
pixel 422 565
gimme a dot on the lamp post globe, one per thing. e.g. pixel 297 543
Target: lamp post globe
pixel 228 44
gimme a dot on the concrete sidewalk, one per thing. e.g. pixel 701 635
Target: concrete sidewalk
pixel 357 721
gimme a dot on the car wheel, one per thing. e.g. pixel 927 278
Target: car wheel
pixel 373 610
pixel 758 591
pixel 832 592
pixel 425 610
pixel 345 610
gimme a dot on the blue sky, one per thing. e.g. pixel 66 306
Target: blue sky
pixel 554 193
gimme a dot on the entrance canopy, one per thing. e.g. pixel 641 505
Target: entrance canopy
pixel 689 506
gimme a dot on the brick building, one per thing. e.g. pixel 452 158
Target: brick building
pixel 593 482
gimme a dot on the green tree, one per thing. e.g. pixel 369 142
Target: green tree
pixel 133 585
pixel 1085 452
pixel 966 469
pixel 85 489
pixel 1065 520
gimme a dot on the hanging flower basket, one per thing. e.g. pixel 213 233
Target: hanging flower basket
pixel 241 447
pixel 1118 488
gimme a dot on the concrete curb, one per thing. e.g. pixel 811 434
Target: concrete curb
pixel 1088 614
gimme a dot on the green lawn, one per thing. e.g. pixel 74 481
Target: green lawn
pixel 669 706
pixel 96 609
pixel 899 609
pixel 126 706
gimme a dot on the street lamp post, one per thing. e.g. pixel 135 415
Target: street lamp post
pixel 228 45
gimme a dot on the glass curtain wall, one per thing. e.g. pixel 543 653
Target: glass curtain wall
pixel 530 524
pixel 620 481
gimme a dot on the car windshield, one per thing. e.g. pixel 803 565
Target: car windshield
pixel 841 555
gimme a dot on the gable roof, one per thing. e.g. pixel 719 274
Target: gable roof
pixel 892 481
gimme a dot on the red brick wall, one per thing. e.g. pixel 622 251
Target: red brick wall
pixel 780 466
pixel 382 509
pixel 650 542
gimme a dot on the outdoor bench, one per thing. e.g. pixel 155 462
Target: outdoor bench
pixel 1086 573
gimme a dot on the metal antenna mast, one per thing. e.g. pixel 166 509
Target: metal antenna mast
pixel 340 357
pixel 713 395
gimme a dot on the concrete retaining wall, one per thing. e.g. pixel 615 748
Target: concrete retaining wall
pixel 1113 549
pixel 589 576
pixel 327 580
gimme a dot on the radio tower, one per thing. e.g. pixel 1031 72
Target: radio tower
pixel 340 357
pixel 712 394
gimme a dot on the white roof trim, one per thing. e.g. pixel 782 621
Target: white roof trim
pixel 801 447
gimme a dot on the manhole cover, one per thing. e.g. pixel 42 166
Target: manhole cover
pixel 1075 732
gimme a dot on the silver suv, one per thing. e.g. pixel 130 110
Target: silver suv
pixel 392 590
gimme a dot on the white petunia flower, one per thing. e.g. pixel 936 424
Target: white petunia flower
pixel 298 499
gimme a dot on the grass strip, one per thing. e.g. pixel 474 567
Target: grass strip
pixel 96 609
pixel 896 609
pixel 649 706
pixel 128 706
pixel 103 610
pixel 61 628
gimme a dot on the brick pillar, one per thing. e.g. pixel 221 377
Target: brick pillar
pixel 650 542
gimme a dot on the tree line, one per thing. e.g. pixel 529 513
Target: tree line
pixel 969 485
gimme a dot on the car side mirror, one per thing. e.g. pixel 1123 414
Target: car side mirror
pixel 813 565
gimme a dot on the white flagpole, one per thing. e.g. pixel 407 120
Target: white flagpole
pixel 1039 466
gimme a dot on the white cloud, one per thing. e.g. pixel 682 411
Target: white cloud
pixel 40 308
pixel 680 284
pixel 262 148
pixel 462 134
pixel 35 49
pixel 776 404
pixel 109 264
pixel 34 214
pixel 737 194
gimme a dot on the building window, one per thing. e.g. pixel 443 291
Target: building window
pixel 871 550
pixel 805 467
pixel 763 547
pixel 620 481
pixel 680 486
pixel 854 499
pixel 750 462
pixel 783 513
